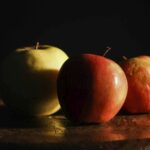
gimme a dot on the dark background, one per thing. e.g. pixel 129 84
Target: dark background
pixel 77 27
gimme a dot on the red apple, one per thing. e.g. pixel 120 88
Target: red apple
pixel 137 71
pixel 91 88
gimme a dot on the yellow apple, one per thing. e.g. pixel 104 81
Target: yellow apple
pixel 28 79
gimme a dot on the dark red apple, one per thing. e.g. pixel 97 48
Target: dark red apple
pixel 91 88
pixel 137 71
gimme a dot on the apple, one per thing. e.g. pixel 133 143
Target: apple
pixel 137 71
pixel 28 79
pixel 91 88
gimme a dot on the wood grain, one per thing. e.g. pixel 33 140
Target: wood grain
pixel 56 132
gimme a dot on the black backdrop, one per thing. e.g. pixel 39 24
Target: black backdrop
pixel 77 27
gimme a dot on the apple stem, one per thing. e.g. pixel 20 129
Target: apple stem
pixel 107 50
pixel 37 45
pixel 124 57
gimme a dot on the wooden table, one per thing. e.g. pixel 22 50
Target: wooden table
pixel 56 132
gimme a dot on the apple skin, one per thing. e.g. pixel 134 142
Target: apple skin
pixel 137 71
pixel 28 80
pixel 91 88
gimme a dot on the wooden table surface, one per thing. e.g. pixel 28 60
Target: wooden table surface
pixel 56 132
